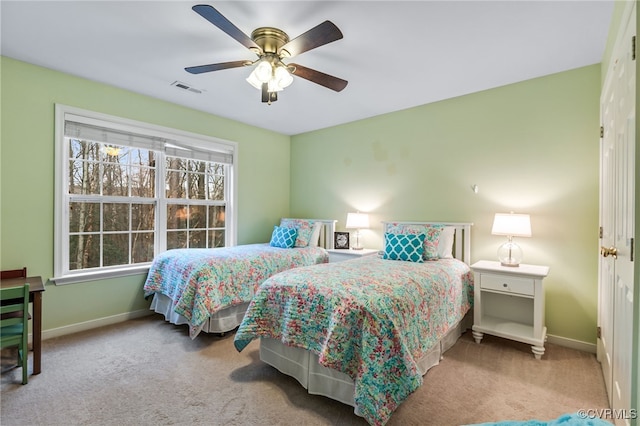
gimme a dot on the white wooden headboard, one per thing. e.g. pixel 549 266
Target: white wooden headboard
pixel 326 232
pixel 462 237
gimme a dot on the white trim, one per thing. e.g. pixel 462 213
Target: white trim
pixel 96 323
pixel 188 139
pixel 115 319
pixel 572 343
pixel 103 274
pixel 193 140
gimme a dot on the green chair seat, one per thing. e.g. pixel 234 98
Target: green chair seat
pixel 14 316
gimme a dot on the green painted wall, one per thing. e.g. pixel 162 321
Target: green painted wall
pixel 531 147
pixel 28 94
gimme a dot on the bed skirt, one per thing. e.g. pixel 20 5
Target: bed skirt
pixel 303 365
pixel 222 321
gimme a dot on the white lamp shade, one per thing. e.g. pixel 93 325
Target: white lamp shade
pixel 282 77
pixel 264 71
pixel 512 225
pixel 357 220
pixel 254 81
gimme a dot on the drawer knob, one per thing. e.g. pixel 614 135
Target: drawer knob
pixel 504 285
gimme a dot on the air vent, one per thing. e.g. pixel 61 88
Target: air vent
pixel 185 86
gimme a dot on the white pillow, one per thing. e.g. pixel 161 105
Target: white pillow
pixel 445 243
pixel 315 234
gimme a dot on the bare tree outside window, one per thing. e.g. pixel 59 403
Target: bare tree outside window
pixel 113 203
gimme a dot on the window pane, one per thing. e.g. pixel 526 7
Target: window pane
pixel 175 184
pixel 196 186
pixel 84 150
pixel 115 249
pixel 84 251
pixel 142 247
pixel 116 217
pixel 216 238
pixel 84 217
pixel 142 217
pixel 197 217
pixel 175 163
pixel 143 182
pixel 176 239
pixel 83 177
pixel 215 186
pixel 198 239
pixel 216 216
pixel 177 216
pixel 115 179
pixel 142 157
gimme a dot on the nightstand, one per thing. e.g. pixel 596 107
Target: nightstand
pixel 509 303
pixel 340 255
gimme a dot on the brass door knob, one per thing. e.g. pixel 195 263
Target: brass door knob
pixel 611 251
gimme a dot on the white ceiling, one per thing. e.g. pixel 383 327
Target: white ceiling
pixel 395 54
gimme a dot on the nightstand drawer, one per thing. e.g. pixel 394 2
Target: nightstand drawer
pixel 507 284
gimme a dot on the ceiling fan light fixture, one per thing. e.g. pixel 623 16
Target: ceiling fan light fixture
pixel 272 86
pixel 282 77
pixel 279 76
pixel 264 71
pixel 254 80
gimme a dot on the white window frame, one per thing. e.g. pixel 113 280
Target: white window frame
pixel 196 142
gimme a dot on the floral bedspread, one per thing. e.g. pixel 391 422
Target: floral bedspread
pixel 200 282
pixel 369 318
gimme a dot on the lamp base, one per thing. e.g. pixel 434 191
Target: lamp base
pixel 510 254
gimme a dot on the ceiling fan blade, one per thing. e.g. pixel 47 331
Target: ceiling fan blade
pixel 217 19
pixel 326 80
pixel 217 67
pixel 317 36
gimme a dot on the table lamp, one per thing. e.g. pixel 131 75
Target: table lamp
pixel 511 225
pixel 357 221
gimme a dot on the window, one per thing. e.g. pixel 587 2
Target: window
pixel 126 191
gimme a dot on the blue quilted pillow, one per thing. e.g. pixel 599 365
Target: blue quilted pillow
pixel 407 247
pixel 431 232
pixel 283 237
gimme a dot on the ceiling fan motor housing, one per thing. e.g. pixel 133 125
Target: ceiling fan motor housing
pixel 269 39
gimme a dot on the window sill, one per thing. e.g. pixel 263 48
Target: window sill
pixel 100 275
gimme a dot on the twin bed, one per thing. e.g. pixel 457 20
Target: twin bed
pixel 365 331
pixel 210 289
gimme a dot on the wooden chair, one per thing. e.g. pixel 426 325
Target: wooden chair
pixel 15 328
pixel 13 273
pixel 6 275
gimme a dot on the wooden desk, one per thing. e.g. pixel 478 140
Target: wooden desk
pixel 36 287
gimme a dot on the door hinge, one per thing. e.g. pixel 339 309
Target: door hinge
pixel 599 332
pixel 600 233
pixel 632 252
pixel 602 131
pixel 633 48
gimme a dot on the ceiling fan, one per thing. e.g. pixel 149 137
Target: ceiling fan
pixel 272 46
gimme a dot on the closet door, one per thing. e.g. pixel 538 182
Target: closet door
pixel 617 197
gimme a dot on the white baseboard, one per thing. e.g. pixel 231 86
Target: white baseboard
pixel 114 319
pixel 572 343
pixel 88 325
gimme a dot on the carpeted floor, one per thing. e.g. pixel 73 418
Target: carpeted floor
pixel 149 372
